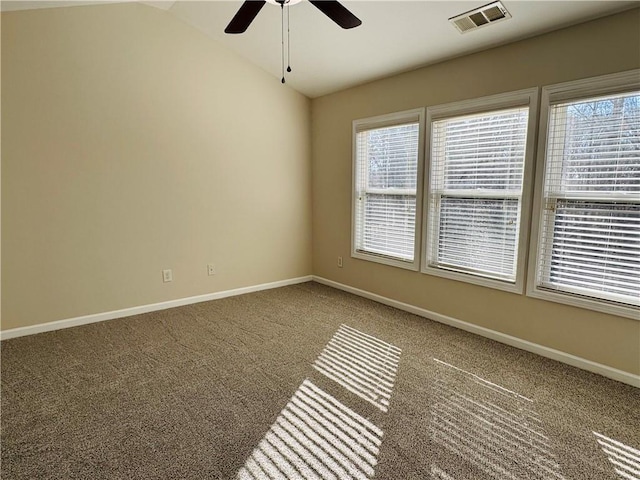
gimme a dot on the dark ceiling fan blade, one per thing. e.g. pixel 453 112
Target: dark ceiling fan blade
pixel 243 18
pixel 337 12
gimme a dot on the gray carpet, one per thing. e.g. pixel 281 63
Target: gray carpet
pixel 303 382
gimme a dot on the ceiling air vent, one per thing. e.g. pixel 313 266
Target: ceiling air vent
pixel 491 13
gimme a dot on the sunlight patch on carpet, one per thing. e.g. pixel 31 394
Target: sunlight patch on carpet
pixel 361 363
pixel 625 459
pixel 496 430
pixel 315 437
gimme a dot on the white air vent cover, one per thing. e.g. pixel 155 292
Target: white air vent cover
pixel 491 13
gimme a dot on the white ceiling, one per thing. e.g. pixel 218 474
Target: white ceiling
pixel 395 36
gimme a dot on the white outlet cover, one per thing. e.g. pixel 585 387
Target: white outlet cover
pixel 167 276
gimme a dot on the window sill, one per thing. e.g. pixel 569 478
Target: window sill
pixel 584 302
pixel 393 262
pixel 474 279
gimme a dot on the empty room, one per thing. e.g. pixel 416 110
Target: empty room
pixel 319 239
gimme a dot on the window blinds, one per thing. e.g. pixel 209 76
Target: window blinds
pixel 590 241
pixel 477 165
pixel 386 182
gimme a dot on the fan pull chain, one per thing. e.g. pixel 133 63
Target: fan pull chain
pixel 288 42
pixel 282 36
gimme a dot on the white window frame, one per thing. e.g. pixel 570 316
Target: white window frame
pixel 381 121
pixel 568 91
pixel 520 98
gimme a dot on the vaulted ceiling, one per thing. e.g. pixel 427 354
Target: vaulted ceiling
pixel 395 36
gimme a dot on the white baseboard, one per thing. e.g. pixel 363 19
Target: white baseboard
pixel 127 312
pixel 541 350
pixel 579 362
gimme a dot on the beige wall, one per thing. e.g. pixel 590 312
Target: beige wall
pixel 603 46
pixel 132 143
pixel 124 154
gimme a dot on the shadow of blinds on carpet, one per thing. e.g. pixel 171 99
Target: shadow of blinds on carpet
pixel 315 437
pixel 318 437
pixel 361 363
pixel 625 459
pixel 495 429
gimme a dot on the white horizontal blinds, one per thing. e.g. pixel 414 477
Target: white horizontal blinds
pixel 480 152
pixel 387 171
pixel 479 235
pixel 591 230
pixel 595 250
pixel 390 225
pixel 477 166
pixel 593 146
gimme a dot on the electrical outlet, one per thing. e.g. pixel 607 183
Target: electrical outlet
pixel 167 276
pixel 340 262
pixel 211 269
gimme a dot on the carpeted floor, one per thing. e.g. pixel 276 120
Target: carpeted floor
pixel 303 382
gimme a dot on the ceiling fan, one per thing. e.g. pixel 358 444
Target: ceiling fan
pixel 331 8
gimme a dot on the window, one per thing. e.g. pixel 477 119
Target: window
pixel 588 241
pixel 478 189
pixel 387 158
